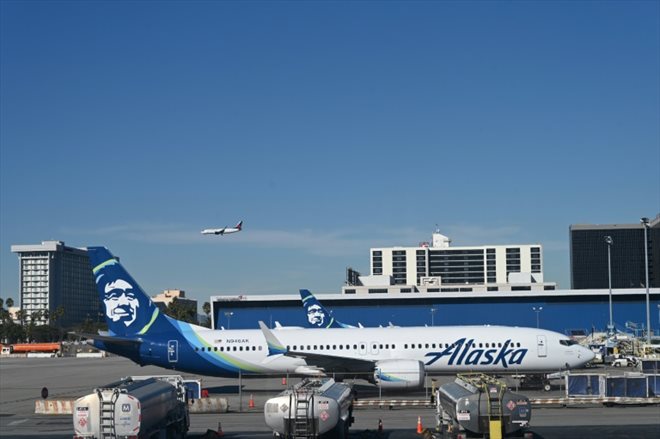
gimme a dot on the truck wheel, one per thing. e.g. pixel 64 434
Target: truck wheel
pixel 547 387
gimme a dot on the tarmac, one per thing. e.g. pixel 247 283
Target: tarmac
pixel 22 381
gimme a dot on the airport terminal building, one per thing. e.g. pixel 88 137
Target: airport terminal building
pixel 437 284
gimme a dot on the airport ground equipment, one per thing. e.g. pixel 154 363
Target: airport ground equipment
pixel 129 408
pixel 313 408
pixel 477 405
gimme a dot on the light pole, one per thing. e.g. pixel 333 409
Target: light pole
pixel 645 224
pixel 433 310
pixel 609 242
pixel 537 311
pixel 228 314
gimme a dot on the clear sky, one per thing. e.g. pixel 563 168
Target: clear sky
pixel 328 127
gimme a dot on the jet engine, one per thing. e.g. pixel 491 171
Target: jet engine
pixel 399 374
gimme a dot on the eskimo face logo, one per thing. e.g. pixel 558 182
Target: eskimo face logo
pixel 315 315
pixel 121 303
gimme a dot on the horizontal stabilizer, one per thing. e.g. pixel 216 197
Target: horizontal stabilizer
pixel 109 339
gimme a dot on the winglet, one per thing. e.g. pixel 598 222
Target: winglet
pixel 275 347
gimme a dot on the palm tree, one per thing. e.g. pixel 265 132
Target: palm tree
pixel 2 302
pixel 9 302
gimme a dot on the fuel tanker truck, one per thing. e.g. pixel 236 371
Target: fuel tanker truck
pixel 132 409
pixel 476 405
pixel 313 408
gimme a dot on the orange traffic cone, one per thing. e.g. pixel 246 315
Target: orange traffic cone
pixel 420 429
pixel 251 403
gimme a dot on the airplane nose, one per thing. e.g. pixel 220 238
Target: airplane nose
pixel 586 354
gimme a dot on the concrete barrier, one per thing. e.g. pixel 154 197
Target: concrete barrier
pixel 53 407
pixel 208 405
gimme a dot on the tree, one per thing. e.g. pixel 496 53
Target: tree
pixel 2 303
pixel 207 310
pixel 9 302
pixel 180 310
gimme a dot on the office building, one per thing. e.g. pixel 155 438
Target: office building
pixel 52 276
pixel 589 265
pixel 440 267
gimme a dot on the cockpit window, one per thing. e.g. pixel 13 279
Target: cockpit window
pixel 568 342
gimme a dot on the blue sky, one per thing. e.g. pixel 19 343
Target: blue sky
pixel 328 127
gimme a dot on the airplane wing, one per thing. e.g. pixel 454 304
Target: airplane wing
pixel 329 363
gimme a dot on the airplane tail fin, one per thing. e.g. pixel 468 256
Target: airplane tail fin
pixel 317 315
pixel 128 310
pixel 239 226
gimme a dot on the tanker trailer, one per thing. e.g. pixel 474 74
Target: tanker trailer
pixel 479 405
pixel 313 408
pixel 131 409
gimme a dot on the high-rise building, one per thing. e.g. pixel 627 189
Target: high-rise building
pixel 440 267
pixel 589 265
pixel 52 276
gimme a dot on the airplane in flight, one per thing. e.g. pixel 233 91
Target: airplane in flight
pixel 224 230
pixel 392 357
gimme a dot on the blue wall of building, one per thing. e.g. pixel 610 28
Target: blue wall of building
pixel 556 315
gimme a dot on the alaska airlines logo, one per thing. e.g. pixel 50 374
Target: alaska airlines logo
pixel 315 315
pixel 461 353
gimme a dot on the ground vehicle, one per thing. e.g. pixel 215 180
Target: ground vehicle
pixel 24 348
pixel 132 409
pixel 624 362
pixel 313 408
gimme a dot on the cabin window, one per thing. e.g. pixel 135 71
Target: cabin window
pixel 419 345
pixel 426 345
pixel 481 345
pixel 240 348
pixel 355 347
pixel 234 349
pixel 387 346
pixel 380 346
pixel 334 347
pixel 309 348
pixel 405 346
pixel 393 346
pixel 215 348
pixel 487 345
pixel 315 347
pixel 518 344
pixel 499 345
pixel 259 347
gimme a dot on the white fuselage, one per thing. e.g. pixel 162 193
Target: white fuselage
pixel 447 349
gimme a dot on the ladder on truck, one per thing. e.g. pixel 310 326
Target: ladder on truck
pixel 302 421
pixel 494 391
pixel 107 415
